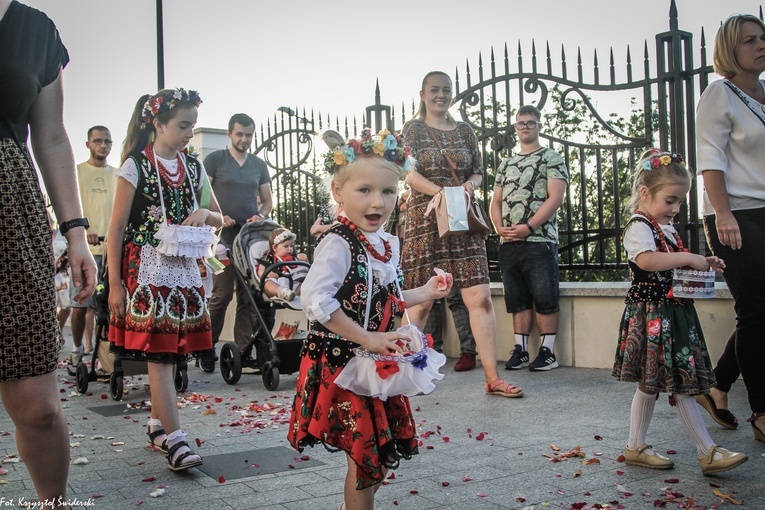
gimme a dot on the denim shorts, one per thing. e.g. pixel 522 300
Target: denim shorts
pixel 99 274
pixel 530 276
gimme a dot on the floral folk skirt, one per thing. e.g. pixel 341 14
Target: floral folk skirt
pixel 30 338
pixel 376 434
pixel 161 322
pixel 662 346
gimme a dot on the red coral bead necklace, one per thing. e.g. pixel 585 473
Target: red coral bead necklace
pixel 174 180
pixel 364 241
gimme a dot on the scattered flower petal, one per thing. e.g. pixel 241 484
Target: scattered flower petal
pixel 157 493
pixel 221 479
pixel 79 461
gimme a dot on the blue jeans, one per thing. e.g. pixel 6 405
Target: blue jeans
pixel 530 276
pixel 745 276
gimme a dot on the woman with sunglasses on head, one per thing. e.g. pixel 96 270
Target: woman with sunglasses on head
pixel 461 254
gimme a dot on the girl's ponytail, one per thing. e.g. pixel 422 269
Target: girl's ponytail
pixel 138 131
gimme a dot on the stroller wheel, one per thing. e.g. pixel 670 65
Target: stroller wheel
pixel 181 380
pixel 115 386
pixel 82 378
pixel 270 376
pixel 230 363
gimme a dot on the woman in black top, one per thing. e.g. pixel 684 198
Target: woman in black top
pixel 31 98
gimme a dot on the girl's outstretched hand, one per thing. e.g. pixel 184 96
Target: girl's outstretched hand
pixel 442 282
pixel 383 343
pixel 716 263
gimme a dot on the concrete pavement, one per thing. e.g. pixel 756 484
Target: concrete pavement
pixel 478 451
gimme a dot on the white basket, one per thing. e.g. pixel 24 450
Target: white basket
pixel 689 283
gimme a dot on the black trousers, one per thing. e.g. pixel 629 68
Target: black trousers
pixel 745 276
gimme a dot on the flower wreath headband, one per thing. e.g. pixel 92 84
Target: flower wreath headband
pixel 284 236
pixel 656 158
pixel 384 144
pixel 166 100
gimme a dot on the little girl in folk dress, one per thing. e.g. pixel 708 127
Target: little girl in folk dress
pixel 661 345
pixel 156 301
pixel 337 298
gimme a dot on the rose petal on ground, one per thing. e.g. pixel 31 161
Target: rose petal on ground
pixel 157 493
pixel 672 480
pixel 139 502
pixel 3 471
pixel 198 442
pixel 715 485
pixel 221 479
pixel 414 491
pixel 445 484
pixel 671 452
pixel 79 461
pixel 209 411
pixel 466 479
pixel 149 479
pixel 481 494
pixel 554 448
pixel 620 458
pixel 620 472
pixel 591 461
pixel 446 439
pixel 578 473
pixel 480 436
pixel 96 495
pixel 598 438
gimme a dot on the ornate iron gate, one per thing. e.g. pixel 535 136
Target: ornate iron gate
pixel 599 150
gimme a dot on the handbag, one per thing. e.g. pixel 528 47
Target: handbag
pixel 455 210
pixel 183 240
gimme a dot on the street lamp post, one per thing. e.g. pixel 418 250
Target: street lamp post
pixel 160 48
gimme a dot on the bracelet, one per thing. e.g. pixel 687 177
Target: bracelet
pixel 528 225
pixel 258 214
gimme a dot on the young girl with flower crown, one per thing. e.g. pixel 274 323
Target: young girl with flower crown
pixel 156 300
pixel 281 244
pixel 351 295
pixel 661 345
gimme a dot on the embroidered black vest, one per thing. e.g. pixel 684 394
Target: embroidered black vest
pixel 352 295
pixel 146 213
pixel 651 286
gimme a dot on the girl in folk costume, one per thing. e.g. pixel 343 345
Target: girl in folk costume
pixel 156 301
pixel 661 345
pixel 354 282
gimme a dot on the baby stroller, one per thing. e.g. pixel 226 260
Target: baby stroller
pixel 112 365
pixel 273 357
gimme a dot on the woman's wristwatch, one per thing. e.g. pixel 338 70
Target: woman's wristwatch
pixel 66 226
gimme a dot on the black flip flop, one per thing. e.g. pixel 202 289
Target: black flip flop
pixel 722 417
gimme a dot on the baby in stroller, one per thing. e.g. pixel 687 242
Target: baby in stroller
pixel 285 284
